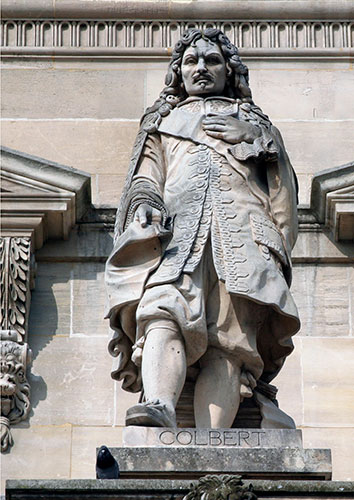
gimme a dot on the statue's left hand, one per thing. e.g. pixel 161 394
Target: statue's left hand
pixel 146 215
pixel 229 129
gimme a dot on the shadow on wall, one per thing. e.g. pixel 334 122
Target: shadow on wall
pixel 68 300
pixel 48 317
pixel 345 247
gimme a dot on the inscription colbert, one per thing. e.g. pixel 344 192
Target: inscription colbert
pixel 211 438
pixel 230 438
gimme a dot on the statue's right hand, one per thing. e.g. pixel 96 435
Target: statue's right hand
pixel 145 214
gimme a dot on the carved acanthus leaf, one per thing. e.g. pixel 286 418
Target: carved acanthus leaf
pixel 214 487
pixel 15 283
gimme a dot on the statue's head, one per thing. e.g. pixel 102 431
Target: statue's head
pixel 206 63
pixel 204 69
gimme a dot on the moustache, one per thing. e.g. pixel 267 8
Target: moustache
pixel 198 77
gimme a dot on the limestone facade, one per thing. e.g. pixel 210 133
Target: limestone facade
pixel 75 82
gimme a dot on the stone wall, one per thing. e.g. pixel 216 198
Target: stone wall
pixel 74 90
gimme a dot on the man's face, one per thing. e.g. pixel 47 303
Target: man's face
pixel 203 69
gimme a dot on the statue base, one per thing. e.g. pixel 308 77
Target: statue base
pixel 163 463
pixel 191 453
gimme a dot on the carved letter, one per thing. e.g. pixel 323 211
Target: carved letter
pixel 166 442
pixel 181 440
pixel 243 436
pixel 229 438
pixel 200 433
pixel 258 433
pixel 214 438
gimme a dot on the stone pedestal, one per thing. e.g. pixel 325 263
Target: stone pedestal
pixel 165 463
pixel 191 453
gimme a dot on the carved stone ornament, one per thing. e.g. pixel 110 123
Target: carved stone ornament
pixel 39 200
pixel 15 265
pixel 221 488
pixel 16 278
pixel 62 32
pixel 15 389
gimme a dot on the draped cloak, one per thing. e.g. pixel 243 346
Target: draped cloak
pixel 242 197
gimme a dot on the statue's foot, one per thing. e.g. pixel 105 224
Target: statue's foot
pixel 151 414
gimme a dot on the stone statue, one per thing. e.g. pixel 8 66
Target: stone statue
pixel 200 271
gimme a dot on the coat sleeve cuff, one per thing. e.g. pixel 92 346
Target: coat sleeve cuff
pixel 263 147
pixel 144 192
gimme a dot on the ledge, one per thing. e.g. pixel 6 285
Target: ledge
pixel 40 199
pixel 164 53
pixel 251 463
pixel 332 200
pixel 91 488
pixel 167 9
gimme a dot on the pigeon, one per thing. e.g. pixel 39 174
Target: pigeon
pixel 106 465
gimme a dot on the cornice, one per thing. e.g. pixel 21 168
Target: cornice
pixel 152 39
pixel 40 199
pixel 332 200
pixel 164 54
pixel 172 10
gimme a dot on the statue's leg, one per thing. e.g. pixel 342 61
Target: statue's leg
pixel 171 322
pixel 231 364
pixel 217 390
pixel 163 374
pixel 164 363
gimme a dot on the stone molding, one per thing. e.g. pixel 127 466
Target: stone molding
pixel 163 54
pixel 41 199
pixel 332 200
pixel 268 38
pixel 140 489
pixel 169 9
pixel 252 463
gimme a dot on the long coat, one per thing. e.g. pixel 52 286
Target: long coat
pixel 242 197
